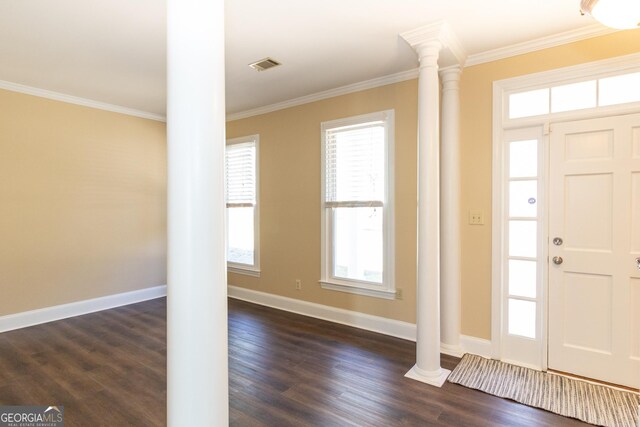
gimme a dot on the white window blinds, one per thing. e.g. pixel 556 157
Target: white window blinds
pixel 355 165
pixel 240 162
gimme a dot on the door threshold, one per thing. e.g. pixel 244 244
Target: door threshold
pixel 593 381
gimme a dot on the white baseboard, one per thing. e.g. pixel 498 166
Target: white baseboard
pixel 478 346
pixel 382 325
pixel 64 311
pixel 452 350
pixel 394 328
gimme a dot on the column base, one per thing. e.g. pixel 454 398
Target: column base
pixel 452 350
pixel 434 378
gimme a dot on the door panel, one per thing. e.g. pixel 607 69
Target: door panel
pixel 635 319
pixel 635 213
pixel 589 146
pixel 587 310
pixel 594 291
pixel 636 143
pixel 588 206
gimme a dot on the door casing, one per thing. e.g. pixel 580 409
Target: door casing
pixel 501 123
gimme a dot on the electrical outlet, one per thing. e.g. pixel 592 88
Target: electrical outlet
pixel 298 284
pixel 398 293
pixel 476 217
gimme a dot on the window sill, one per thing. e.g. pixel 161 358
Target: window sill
pixel 247 271
pixel 352 289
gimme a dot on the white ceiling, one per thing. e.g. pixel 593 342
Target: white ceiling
pixel 113 51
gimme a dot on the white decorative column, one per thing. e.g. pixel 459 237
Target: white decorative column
pixel 197 370
pixel 450 211
pixel 427 368
pixel 428 42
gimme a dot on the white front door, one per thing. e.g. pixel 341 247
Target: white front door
pixel 594 249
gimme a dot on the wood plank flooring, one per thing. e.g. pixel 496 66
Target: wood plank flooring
pixel 109 369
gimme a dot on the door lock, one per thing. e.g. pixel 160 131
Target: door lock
pixel 557 241
pixel 557 260
pixel 638 262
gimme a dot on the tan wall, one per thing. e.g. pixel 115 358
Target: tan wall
pixel 82 203
pixel 290 183
pixel 290 197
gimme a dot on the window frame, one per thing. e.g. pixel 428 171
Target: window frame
pixel 235 267
pixel 386 289
pixel 598 70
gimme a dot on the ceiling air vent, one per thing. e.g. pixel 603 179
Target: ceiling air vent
pixel 264 64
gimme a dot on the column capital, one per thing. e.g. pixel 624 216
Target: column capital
pixel 436 32
pixel 451 73
pixel 428 53
pixel 450 77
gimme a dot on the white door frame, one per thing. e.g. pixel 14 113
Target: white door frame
pixel 502 123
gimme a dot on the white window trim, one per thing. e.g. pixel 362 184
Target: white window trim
pixel 233 267
pixel 385 290
pixel 579 73
pixel 501 123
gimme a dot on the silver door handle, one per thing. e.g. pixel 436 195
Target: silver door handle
pixel 557 260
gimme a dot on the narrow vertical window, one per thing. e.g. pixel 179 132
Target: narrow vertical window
pixel 523 220
pixel 242 204
pixel 356 205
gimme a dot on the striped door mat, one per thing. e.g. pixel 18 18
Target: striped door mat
pixel 594 404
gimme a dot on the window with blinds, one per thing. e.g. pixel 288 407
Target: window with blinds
pixel 240 163
pixel 241 193
pixel 356 208
pixel 354 162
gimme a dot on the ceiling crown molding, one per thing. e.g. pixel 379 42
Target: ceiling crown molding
pixel 571 36
pixel 70 99
pixel 331 93
pixel 437 31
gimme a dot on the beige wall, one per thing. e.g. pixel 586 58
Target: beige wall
pixel 82 203
pixel 82 193
pixel 290 183
pixel 290 198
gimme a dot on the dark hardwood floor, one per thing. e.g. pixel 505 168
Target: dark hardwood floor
pixel 108 369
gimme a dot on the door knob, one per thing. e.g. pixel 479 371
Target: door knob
pixel 557 260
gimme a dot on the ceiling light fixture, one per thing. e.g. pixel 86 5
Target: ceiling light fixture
pixel 620 14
